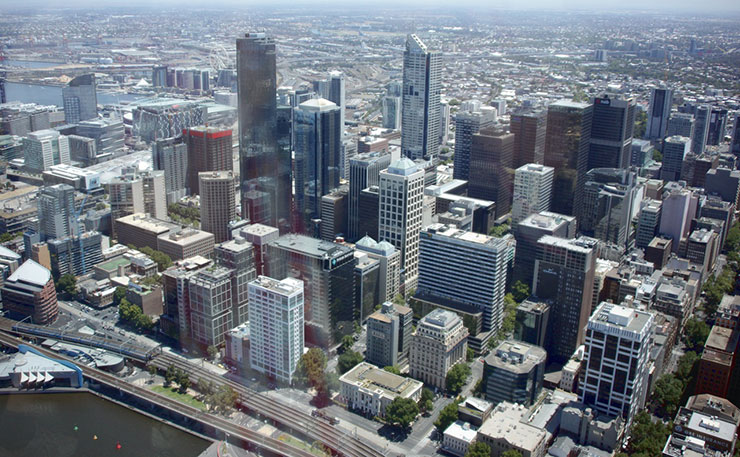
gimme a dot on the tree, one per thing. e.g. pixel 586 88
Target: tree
pixel 447 416
pixel 399 300
pixel 469 355
pixel 647 437
pixel 348 360
pixel 510 453
pixel 67 284
pixel 640 124
pixel 426 401
pixel 456 377
pixel 347 342
pixel 152 371
pixel 732 243
pixel 169 375
pixel 392 369
pixel 184 383
pixel 310 368
pixel 481 449
pixel 695 333
pixel 667 394
pixel 212 352
pixel 206 387
pixel 520 291
pixel 685 366
pixel 401 411
pixel 118 295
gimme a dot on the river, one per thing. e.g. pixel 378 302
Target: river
pixel 64 425
pixel 52 95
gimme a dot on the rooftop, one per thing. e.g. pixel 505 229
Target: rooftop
pixel 311 246
pixel 462 431
pixel 440 318
pixel 516 356
pixel 464 235
pixel 317 104
pixel 699 422
pixel 32 273
pixel 504 424
pixel 546 220
pixel 609 316
pixel 722 339
pixel 144 222
pixel 381 381
pixel 287 286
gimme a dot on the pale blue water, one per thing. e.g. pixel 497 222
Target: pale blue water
pixel 27 64
pixel 52 95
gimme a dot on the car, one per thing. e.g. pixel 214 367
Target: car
pixel 253 379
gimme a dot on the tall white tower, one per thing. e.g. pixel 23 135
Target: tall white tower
pixel 422 72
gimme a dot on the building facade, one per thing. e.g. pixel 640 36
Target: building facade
pixel 422 74
pixel 439 342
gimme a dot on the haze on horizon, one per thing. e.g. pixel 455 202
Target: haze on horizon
pixel 709 7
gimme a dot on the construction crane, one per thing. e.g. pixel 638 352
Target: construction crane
pixel 76 221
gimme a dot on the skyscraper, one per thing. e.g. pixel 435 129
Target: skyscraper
pixel 648 223
pixel 80 99
pixel 217 203
pixel 532 191
pixel 566 150
pixel 616 360
pixel 399 217
pixel 336 93
pixel 364 171
pixel 681 124
pixel 317 132
pixel 529 129
pixel 701 129
pixel 155 198
pixel 467 124
pixel 56 211
pixel 465 269
pixel 125 195
pixel 611 133
pixel 564 274
pixel 492 168
pixel 675 149
pixel 392 112
pixel 209 149
pixel 439 342
pixel 607 206
pixel 276 326
pixel 529 231
pixel 422 74
pixel 735 143
pixel 327 272
pixel 44 148
pixel 658 113
pixel 717 126
pixel 171 156
pixel 266 184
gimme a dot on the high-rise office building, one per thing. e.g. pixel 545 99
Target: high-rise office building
pixel 648 223
pixel 390 265
pixel 334 214
pixel 364 171
pixel 735 143
pixel 327 271
pixel 467 124
pixel 276 326
pixel 532 191
pixel 529 129
pixel 389 334
pixel 659 111
pixel 616 360
pixel 422 74
pixel 217 203
pixel 368 210
pixel 514 372
pixel 209 149
pixel 566 150
pixel 466 270
pixel 444 122
pixel 531 322
pixel 438 344
pixel 401 194
pixel 171 156
pixel 125 195
pixel 336 93
pixel 75 254
pixel 44 148
pixel 155 198
pixel 392 112
pixel 611 132
pixel 529 231
pixel 678 209
pixel 80 99
pixel 264 166
pixel 564 274
pixel 108 134
pixel 317 131
pixel 717 126
pixel 238 256
pixel 724 182
pixel 210 297
pixel 30 291
pixel 492 168
pixel 701 129
pixel 56 206
pixel 607 205
pixel 681 124
pixel 675 149
pixel 159 76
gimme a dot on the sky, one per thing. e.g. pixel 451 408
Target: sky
pixel 711 7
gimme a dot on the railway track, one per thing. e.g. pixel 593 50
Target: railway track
pixel 288 416
pixel 261 441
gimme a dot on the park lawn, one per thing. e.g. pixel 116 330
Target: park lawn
pixel 301 444
pixel 172 393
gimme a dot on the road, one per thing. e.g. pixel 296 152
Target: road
pixel 105 322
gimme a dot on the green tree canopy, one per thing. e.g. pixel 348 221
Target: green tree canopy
pixel 695 333
pixel 348 360
pixel 520 291
pixel 392 369
pixel 347 342
pixel 481 449
pixel 667 394
pixel 647 437
pixel 510 453
pixel 310 368
pixel 401 411
pixel 447 416
pixel 456 377
pixel 118 295
pixel 67 284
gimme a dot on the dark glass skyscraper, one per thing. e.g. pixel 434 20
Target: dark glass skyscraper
pixel 611 133
pixel 566 150
pixel 528 128
pixel 265 191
